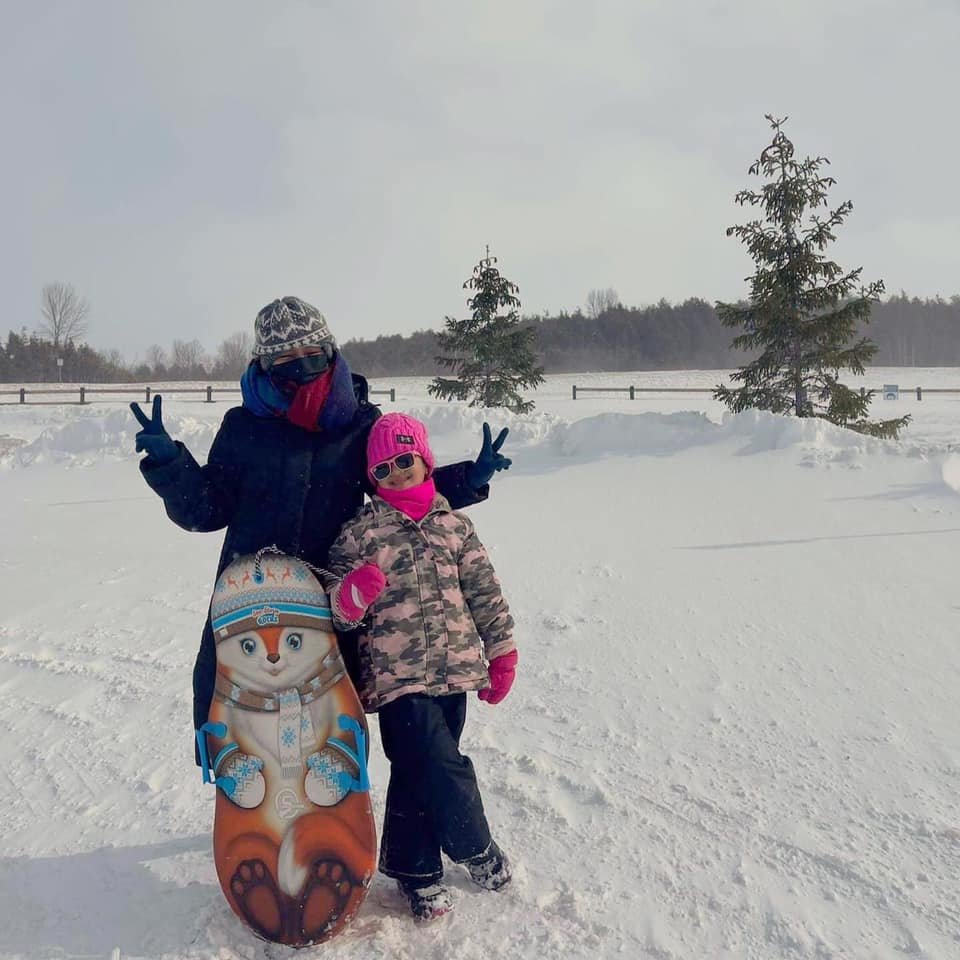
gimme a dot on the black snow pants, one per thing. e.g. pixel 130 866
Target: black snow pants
pixel 433 801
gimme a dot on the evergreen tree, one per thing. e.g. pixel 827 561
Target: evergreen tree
pixel 804 311
pixel 490 353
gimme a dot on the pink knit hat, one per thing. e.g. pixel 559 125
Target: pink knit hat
pixel 396 433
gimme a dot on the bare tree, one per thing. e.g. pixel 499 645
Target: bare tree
pixel 600 301
pixel 187 359
pixel 233 356
pixel 115 359
pixel 156 360
pixel 64 313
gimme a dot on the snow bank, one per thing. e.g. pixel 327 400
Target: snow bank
pixel 951 472
pixel 87 437
pixel 820 442
pixel 645 433
pixel 82 436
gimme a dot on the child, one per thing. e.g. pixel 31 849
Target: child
pixel 435 625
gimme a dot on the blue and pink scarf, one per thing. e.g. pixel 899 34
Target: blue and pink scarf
pixel 327 403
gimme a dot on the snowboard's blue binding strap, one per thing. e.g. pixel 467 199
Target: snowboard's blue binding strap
pixel 227 784
pixel 348 783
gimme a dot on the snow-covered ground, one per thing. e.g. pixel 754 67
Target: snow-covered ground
pixel 734 733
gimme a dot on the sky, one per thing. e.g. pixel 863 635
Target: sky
pixel 182 164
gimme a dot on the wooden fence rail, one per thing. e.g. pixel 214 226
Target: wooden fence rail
pixel 633 391
pixel 146 392
pixel 83 393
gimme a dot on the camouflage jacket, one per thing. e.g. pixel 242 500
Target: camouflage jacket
pixel 441 617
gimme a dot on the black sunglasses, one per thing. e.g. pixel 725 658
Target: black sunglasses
pixel 299 367
pixel 404 461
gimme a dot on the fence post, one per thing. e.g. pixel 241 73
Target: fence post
pixel 209 394
pixel 574 391
pixel 23 395
pixel 393 395
pixel 631 391
pixel 148 394
pixel 83 394
pixel 919 395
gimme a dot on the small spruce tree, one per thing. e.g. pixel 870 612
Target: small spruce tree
pixel 491 356
pixel 804 312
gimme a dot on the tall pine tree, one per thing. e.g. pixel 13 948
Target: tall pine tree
pixel 804 312
pixel 491 356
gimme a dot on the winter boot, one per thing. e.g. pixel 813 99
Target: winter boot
pixel 490 869
pixel 426 903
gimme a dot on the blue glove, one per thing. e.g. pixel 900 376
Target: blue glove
pixel 153 439
pixel 490 460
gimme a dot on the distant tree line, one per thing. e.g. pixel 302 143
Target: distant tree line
pixel 664 336
pixel 908 332
pixel 32 358
pixel 918 333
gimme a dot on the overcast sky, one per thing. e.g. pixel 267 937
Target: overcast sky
pixel 183 163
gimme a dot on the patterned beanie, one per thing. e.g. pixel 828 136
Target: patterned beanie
pixel 288 323
pixel 267 589
pixel 396 433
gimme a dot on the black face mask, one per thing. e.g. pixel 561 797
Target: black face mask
pixel 303 369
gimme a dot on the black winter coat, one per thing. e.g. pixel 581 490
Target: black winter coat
pixel 269 482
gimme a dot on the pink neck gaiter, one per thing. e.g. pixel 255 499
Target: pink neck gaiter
pixel 415 501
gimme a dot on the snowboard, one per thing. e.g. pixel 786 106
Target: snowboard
pixel 294 838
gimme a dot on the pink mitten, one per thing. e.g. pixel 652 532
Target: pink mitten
pixel 358 589
pixel 502 672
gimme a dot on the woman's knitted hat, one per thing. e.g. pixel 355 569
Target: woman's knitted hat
pixel 396 433
pixel 289 323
